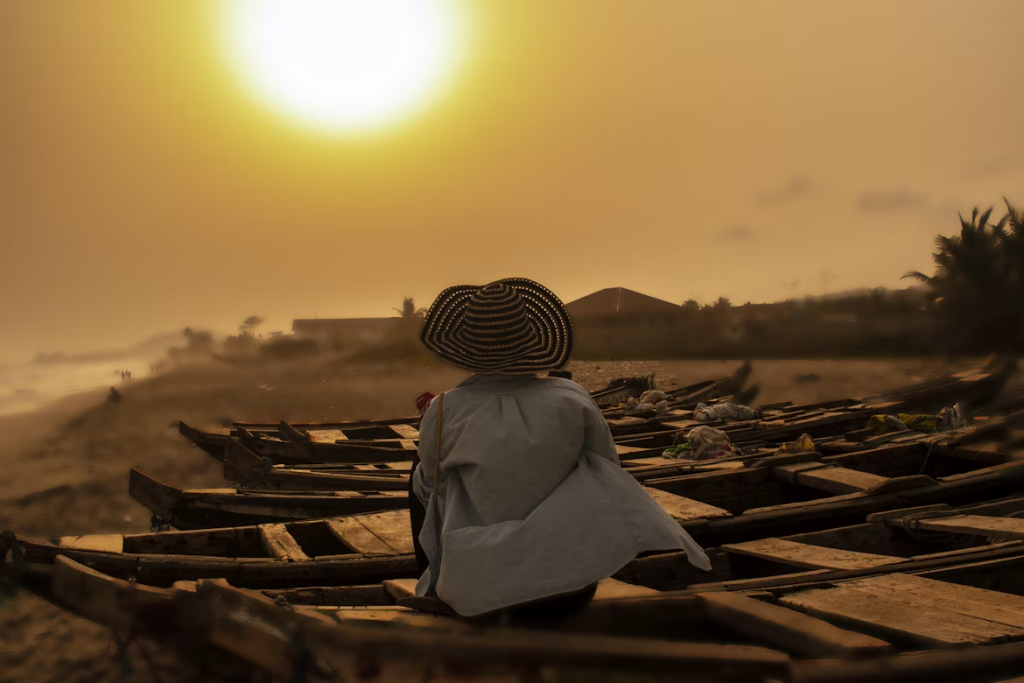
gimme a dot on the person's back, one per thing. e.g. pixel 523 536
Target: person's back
pixel 524 497
pixel 514 439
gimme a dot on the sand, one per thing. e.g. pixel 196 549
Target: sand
pixel 64 468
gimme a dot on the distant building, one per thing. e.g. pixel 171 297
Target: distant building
pixel 344 332
pixel 618 322
pixel 619 302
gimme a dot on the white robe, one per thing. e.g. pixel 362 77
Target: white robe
pixel 532 500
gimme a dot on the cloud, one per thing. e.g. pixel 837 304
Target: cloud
pixel 738 233
pixel 891 200
pixel 992 167
pixel 796 188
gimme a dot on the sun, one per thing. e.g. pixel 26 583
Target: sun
pixel 347 66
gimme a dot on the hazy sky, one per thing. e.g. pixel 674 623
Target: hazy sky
pixel 676 147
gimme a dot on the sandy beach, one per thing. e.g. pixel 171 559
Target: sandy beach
pixel 65 467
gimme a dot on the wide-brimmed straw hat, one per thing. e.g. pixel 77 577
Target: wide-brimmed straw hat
pixel 513 326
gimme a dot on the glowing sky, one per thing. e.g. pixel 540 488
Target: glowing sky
pixel 676 147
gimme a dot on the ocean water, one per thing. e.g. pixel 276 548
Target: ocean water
pixel 29 386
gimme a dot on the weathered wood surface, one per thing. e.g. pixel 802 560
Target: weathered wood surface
pixel 838 480
pixel 915 609
pixel 788 629
pixel 959 664
pixel 685 509
pixel 104 543
pixel 1009 528
pixel 280 545
pixel 112 602
pixel 809 556
pixel 405 431
pixel 243 620
pixel 375 535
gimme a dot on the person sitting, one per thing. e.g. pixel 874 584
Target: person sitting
pixel 523 505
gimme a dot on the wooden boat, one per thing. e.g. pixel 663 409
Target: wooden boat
pixel 974 387
pixel 883 624
pixel 849 616
pixel 251 471
pixel 247 468
pixel 371 548
pixel 383 441
pixel 734 501
pixel 702 392
pixel 362 441
pixel 209 508
pixel 212 508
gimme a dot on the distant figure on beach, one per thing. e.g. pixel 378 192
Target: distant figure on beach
pixel 519 504
pixel 115 396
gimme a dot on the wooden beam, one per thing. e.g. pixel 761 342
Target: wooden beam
pixel 327 435
pixel 839 480
pixel 280 545
pixel 915 609
pixel 685 509
pixel 788 629
pixel 1010 528
pixel 406 431
pixel 353 534
pixel 103 543
pixel 809 556
pixel 392 527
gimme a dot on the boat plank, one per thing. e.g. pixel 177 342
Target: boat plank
pixel 105 600
pixel 995 527
pixel 788 628
pixel 992 606
pixel 351 532
pixel 921 618
pixel 809 556
pixel 280 544
pixel 405 431
pixel 327 435
pixel 612 589
pixel 839 480
pixel 685 509
pixel 392 527
pixel 104 543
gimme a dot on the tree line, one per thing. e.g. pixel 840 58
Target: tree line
pixel 978 284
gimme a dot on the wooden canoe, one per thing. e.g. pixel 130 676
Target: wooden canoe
pixel 857 629
pixel 359 441
pixel 776 495
pixel 211 508
pixel 251 471
pixel 385 441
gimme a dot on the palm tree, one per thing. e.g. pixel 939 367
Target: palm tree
pixel 409 310
pixel 976 283
pixel 691 306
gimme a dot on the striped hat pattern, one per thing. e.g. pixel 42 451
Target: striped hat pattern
pixel 512 326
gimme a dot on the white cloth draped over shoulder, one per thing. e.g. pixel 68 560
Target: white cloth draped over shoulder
pixel 532 501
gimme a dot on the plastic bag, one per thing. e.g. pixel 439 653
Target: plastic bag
pixel 653 397
pixel 805 444
pixel 886 424
pixel 708 443
pixel 723 412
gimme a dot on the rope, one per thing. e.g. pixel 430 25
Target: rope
pixel 10 580
pixel 926 456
